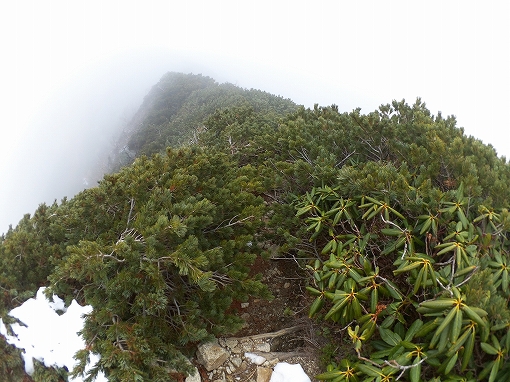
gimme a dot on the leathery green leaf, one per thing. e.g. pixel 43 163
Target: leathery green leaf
pixel 415 373
pixel 413 329
pixel 316 306
pixel 494 371
pixel 337 307
pixel 457 344
pixel 426 226
pixel 427 328
pixel 407 268
pixel 472 315
pixel 468 350
pixel 451 363
pixel 456 325
pixel 417 283
pixel 391 231
pixel 374 299
pixel 447 248
pixel 390 337
pixel 446 321
pixel 313 291
pixel 439 304
pixel 488 348
pixel 370 370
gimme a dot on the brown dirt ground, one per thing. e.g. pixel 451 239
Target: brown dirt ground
pixel 289 306
pixel 286 281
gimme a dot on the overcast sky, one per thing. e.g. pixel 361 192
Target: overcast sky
pixel 73 71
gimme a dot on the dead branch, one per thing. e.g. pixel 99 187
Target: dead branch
pixel 278 333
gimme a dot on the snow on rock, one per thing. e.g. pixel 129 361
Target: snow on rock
pixel 3 329
pixel 285 372
pixel 254 358
pixel 48 337
pixel 194 377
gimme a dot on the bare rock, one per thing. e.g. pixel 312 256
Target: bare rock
pixel 242 368
pixel 194 376
pixel 263 346
pixel 264 374
pixel 231 342
pixel 211 355
pixel 236 361
pixel 230 369
pixel 237 350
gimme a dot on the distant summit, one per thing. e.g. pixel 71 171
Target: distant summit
pixel 177 106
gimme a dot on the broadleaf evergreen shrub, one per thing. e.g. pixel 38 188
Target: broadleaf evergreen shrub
pixel 422 293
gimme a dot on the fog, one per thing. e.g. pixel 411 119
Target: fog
pixel 63 148
pixel 74 73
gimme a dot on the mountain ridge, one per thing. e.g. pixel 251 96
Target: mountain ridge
pixel 208 179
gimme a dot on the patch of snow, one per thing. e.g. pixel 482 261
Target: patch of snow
pixel 3 329
pixel 46 336
pixel 57 304
pixel 53 340
pixel 285 372
pixel 254 358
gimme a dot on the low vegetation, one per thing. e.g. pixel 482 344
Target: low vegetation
pixel 403 215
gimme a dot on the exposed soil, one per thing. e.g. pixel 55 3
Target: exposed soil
pixel 286 281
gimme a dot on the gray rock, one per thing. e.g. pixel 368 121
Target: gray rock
pixel 272 362
pixel 223 378
pixel 243 367
pixel 237 350
pixel 236 361
pixel 211 355
pixel 231 343
pixel 264 346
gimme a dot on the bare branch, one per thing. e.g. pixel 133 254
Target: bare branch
pixel 345 158
pixel 230 223
pixel 130 211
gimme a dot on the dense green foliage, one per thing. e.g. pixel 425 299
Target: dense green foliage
pixel 11 363
pixel 160 250
pixel 403 215
pixel 422 289
pixel 172 252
